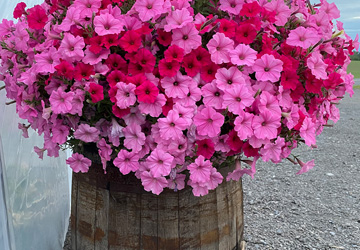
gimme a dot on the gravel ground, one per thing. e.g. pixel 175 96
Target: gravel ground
pixel 317 210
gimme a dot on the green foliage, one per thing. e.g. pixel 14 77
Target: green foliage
pixel 355 56
pixel 354 68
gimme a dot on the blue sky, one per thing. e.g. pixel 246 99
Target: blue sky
pixel 350 15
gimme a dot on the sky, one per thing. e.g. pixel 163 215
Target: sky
pixel 349 15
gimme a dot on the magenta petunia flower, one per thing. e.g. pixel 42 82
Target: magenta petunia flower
pixel 208 122
pixel 106 24
pixel 219 47
pixel 87 133
pixel 127 161
pixel 187 38
pixel 160 162
pixel 61 101
pixel 148 9
pixel 266 125
pixel 303 37
pixel 268 68
pixel 79 163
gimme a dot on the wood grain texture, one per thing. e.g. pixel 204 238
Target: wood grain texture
pixel 114 219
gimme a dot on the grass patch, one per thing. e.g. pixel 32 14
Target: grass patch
pixel 354 68
pixel 356 87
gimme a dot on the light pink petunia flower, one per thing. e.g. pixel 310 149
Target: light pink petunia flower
pixel 79 163
pixel 148 8
pixel 177 86
pixel 208 122
pixel 266 125
pixel 177 19
pixel 268 68
pixel 212 95
pixel 151 183
pixel 72 47
pixel 231 6
pixel 46 61
pixel 200 170
pixel 237 98
pixel 125 95
pixel 303 37
pixel 305 167
pixel 307 132
pixel 187 38
pixel 160 162
pixel 219 47
pixel 243 126
pixel 127 161
pixel 134 138
pixel 106 24
pixel 87 133
pixel 154 109
pixel 226 78
pixel 60 101
pixel 272 151
pixel 317 66
pixel 172 126
pixel 243 55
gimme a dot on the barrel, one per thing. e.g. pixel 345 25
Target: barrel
pixel 112 211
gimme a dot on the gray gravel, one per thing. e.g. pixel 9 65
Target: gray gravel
pixel 317 210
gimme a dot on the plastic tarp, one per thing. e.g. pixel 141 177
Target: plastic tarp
pixel 37 191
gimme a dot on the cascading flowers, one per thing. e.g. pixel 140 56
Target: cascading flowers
pixel 176 90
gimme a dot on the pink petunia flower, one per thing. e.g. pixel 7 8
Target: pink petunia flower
pixel 86 133
pixel 307 132
pixel 151 183
pixel 239 171
pixel 60 133
pixel 215 179
pixel 225 78
pixel 272 151
pixel 160 162
pixel 125 95
pixel 317 66
pixel 231 6
pixel 79 163
pixel 154 109
pixel 148 9
pixel 71 47
pixel 212 95
pixel 219 47
pixel 305 167
pixel 208 122
pixel 106 24
pixel 127 161
pixel 268 68
pixel 134 138
pixel 199 188
pixel 177 19
pixel 60 101
pixel 303 37
pixel 265 125
pixel 172 126
pixel 200 170
pixel 177 86
pixel 243 125
pixel 46 61
pixel 238 97
pixel 243 55
pixel 187 38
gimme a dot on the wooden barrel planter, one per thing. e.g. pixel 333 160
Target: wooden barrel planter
pixel 113 212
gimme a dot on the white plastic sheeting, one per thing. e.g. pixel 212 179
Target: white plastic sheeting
pixel 37 195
